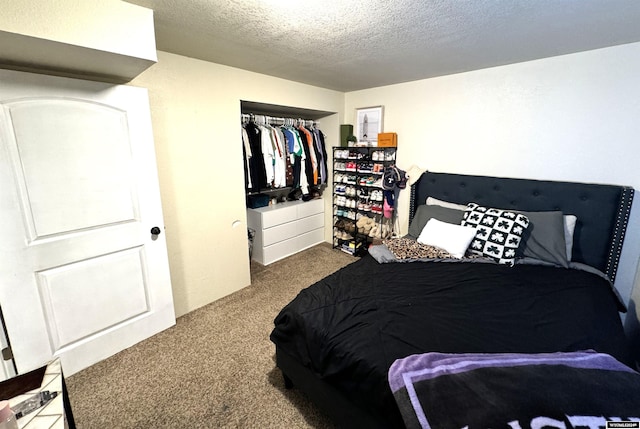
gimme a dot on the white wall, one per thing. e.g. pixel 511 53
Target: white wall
pixel 195 109
pixel 574 117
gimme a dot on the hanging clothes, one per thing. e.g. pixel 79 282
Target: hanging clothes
pixel 294 151
pixel 257 170
pixel 284 156
pixel 309 161
pixel 246 151
pixel 322 151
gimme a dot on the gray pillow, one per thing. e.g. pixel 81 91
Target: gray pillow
pixel 544 238
pixel 426 212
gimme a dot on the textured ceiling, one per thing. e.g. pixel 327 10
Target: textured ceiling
pixel 349 45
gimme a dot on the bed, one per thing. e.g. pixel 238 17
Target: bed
pixel 347 340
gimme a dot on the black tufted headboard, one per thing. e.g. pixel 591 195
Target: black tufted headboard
pixel 602 210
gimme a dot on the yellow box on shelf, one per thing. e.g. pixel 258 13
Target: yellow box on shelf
pixel 387 140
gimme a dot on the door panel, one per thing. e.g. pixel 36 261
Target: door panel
pixel 62 193
pixel 112 300
pixel 81 276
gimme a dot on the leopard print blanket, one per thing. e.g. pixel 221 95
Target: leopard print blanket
pixel 407 248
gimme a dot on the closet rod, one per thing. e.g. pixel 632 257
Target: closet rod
pixel 264 119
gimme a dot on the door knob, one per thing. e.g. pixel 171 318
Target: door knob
pixel 155 231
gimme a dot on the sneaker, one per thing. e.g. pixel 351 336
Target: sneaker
pixel 366 167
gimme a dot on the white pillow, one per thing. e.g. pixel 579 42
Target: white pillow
pixel 436 202
pixel 569 227
pixel 450 237
pixel 569 221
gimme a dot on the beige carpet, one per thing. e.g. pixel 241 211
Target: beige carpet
pixel 215 368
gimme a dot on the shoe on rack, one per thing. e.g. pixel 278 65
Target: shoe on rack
pixel 365 167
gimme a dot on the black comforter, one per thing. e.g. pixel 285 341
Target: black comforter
pixel 351 326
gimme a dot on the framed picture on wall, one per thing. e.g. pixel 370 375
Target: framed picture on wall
pixel 368 125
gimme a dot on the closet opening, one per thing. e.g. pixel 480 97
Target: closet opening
pixel 286 162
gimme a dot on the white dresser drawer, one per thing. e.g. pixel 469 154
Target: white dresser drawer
pixel 310 208
pixel 277 215
pixel 280 250
pixel 311 238
pixel 291 229
pixel 280 233
pixel 310 223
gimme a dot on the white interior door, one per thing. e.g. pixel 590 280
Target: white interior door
pixel 81 275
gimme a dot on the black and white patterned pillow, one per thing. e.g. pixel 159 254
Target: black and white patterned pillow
pixel 498 232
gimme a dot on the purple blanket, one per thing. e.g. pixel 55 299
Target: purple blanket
pixel 516 391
